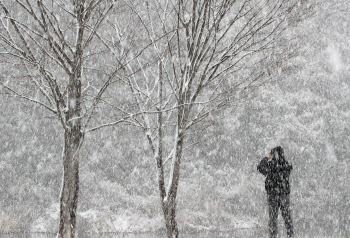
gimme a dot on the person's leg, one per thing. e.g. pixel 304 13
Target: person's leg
pixel 286 214
pixel 273 214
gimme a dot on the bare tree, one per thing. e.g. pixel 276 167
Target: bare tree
pixel 213 54
pixel 64 59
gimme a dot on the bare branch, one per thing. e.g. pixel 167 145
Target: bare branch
pixel 28 98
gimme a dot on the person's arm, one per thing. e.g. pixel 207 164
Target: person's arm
pixel 263 166
pixel 289 166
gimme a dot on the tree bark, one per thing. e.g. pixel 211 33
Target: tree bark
pixel 169 203
pixel 73 139
pixel 70 185
pixel 169 209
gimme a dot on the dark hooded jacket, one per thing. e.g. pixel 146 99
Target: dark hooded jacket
pixel 277 171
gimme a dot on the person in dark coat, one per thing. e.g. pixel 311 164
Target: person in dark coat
pixel 277 170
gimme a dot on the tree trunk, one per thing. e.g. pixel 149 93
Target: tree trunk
pixel 70 186
pixel 169 203
pixel 169 209
pixel 73 139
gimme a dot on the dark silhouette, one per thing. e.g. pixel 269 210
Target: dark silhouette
pixel 277 170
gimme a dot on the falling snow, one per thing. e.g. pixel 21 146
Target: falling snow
pixel 300 101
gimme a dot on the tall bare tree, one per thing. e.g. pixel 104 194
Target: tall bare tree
pixel 212 54
pixel 63 56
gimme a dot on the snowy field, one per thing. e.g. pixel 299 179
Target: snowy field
pixel 246 233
